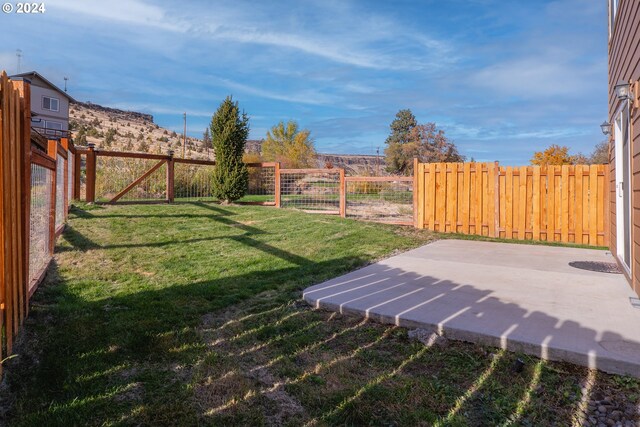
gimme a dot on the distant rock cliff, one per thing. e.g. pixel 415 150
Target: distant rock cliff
pixel 116 113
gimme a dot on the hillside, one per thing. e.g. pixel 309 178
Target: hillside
pixel 119 130
pixel 130 131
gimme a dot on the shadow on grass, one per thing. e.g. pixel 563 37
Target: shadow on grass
pixel 130 358
pixel 101 360
pixel 80 242
pixel 82 360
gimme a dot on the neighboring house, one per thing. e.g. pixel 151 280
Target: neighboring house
pixel 624 130
pixel 49 105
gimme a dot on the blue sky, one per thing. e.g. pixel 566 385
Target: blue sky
pixel 502 78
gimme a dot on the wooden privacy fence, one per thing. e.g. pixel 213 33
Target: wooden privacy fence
pixel 35 189
pixel 550 203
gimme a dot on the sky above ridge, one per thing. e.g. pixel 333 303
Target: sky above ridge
pixel 503 79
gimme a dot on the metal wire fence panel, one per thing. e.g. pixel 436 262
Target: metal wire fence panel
pixel 262 185
pixel 193 182
pixel 388 199
pixel 313 190
pixel 39 222
pixel 70 167
pixel 60 189
pixel 114 174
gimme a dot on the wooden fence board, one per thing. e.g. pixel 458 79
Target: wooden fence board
pixel 453 198
pixel 522 203
pixel 593 205
pixel 578 203
pixel 509 203
pixel 479 201
pixel 431 196
pixel 536 204
pixel 564 187
pixel 466 196
pixel 551 204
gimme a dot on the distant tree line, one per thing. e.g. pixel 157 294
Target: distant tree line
pixel 410 139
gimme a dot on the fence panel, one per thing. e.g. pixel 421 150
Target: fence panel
pixel 114 174
pixel 382 199
pixel 192 182
pixel 311 190
pixel 70 174
pixel 550 203
pixel 262 184
pixel 40 222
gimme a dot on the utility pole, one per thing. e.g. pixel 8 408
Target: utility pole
pixel 377 161
pixel 19 55
pixel 65 84
pixel 184 135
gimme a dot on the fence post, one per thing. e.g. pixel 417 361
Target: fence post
pixel 496 198
pixel 415 192
pixel 607 208
pixel 91 173
pixel 52 151
pixel 77 159
pixel 343 195
pixel 277 185
pixel 65 144
pixel 24 146
pixel 170 177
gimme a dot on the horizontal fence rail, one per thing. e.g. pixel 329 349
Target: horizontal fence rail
pixel 549 203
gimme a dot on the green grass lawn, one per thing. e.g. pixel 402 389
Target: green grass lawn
pixel 190 314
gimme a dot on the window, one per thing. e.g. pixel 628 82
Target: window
pixel 51 104
pixel 52 128
pixel 53 125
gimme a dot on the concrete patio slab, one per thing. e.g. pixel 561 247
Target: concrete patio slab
pixel 519 297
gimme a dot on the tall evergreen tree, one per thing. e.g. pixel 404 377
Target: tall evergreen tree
pixel 229 131
pixel 401 129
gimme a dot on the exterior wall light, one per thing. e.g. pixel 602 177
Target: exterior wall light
pixel 606 128
pixel 623 90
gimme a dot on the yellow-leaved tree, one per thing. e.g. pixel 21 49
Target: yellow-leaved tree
pixel 554 155
pixel 287 144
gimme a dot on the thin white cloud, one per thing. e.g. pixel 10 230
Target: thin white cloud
pixel 310 97
pixel 321 47
pixel 537 76
pixel 134 12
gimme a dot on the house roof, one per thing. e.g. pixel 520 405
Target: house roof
pixel 34 74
